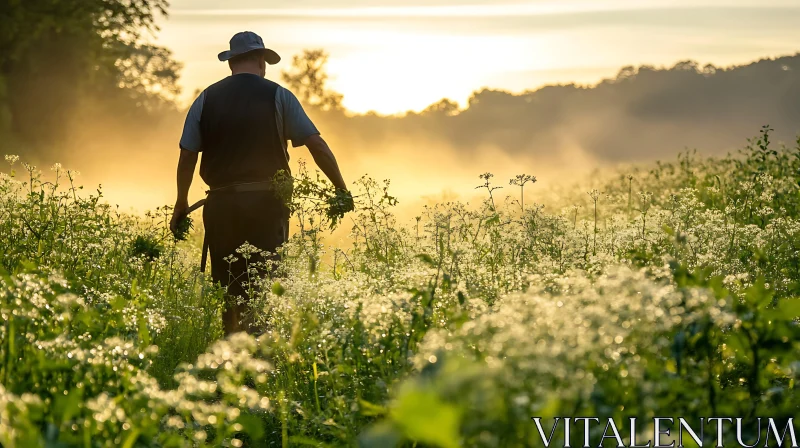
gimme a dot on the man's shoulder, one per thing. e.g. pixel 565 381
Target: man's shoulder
pixel 243 79
pixel 221 82
pixel 285 96
pixel 282 91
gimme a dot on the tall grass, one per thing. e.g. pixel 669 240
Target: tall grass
pixel 667 290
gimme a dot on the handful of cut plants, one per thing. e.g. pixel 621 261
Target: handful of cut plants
pixel 340 203
pixel 183 229
pixel 308 196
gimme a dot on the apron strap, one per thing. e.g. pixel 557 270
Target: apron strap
pixel 204 257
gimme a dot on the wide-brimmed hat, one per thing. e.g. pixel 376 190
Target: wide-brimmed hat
pixel 246 42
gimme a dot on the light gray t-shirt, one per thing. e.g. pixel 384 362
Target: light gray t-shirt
pixel 292 122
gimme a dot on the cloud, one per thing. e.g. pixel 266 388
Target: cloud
pixel 448 8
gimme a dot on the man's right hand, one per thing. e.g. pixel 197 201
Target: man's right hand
pixel 178 214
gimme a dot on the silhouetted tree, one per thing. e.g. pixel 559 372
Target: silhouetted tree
pixel 60 55
pixel 308 79
pixel 627 72
pixel 444 107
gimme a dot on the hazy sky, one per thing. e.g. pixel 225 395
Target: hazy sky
pixel 396 55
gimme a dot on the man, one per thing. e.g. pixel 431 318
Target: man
pixel 241 125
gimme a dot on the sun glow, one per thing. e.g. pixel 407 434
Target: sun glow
pixel 392 59
pixel 406 71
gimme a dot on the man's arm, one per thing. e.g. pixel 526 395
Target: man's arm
pixel 323 157
pixel 298 128
pixel 191 144
pixel 186 166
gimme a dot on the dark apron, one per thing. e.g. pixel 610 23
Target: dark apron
pixel 244 213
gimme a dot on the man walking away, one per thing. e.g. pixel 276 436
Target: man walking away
pixel 241 125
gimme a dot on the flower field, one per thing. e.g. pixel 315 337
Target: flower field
pixel 662 290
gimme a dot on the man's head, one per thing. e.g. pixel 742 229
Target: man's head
pixel 248 54
pixel 250 62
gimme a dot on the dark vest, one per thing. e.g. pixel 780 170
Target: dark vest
pixel 239 132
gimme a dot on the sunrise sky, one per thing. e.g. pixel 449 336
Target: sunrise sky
pixel 391 56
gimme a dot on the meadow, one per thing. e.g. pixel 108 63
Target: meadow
pixel 662 290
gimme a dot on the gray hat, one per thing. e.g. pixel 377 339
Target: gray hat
pixel 248 41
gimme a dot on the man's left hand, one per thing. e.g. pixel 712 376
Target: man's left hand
pixel 339 204
pixel 345 200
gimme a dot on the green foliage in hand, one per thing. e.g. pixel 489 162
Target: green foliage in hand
pixel 338 205
pixel 184 227
pixel 307 196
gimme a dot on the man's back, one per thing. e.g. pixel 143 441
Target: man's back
pixel 241 142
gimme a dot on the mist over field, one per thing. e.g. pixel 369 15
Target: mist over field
pixel 559 133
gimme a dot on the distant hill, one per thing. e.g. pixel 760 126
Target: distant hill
pixel 555 132
pixel 643 114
